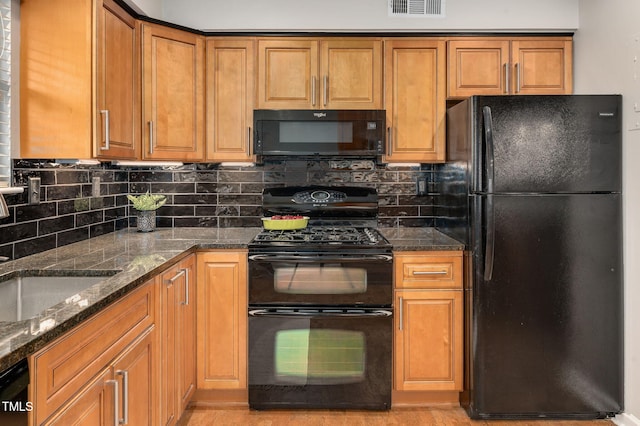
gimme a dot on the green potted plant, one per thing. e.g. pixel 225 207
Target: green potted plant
pixel 146 204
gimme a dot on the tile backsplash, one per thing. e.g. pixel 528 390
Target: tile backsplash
pixel 198 195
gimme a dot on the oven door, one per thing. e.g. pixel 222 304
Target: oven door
pixel 320 359
pixel 317 279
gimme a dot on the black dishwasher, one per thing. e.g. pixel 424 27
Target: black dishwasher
pixel 14 404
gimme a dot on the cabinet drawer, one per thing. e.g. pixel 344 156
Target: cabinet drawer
pixel 442 271
pixel 60 369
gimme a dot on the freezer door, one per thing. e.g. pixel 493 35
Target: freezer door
pixel 546 331
pixel 541 144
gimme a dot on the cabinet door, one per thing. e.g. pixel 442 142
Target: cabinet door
pixel 428 340
pixel 56 78
pixel 478 67
pixel 542 67
pixel 136 378
pixel 351 73
pixel 288 74
pixel 230 94
pixel 172 94
pixel 168 361
pixel 186 332
pixel 118 84
pixel 222 320
pixel 93 406
pixel 415 100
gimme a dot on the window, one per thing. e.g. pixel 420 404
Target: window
pixel 5 93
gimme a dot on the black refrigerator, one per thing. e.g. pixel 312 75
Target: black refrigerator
pixel 533 187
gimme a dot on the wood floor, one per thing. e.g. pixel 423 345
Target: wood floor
pixel 200 416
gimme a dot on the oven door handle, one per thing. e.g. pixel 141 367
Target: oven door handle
pixel 319 313
pixel 280 258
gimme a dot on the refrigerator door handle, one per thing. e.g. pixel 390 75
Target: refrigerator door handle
pixel 489 208
pixel 489 153
pixel 489 238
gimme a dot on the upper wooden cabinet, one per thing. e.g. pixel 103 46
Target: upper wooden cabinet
pixel 79 88
pixel 118 84
pixel 496 66
pixel 172 94
pixel 230 94
pixel 415 78
pixel 298 73
pixel 56 78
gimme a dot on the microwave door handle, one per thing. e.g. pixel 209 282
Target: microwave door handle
pixel 319 313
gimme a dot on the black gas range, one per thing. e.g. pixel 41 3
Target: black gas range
pixel 340 218
pixel 321 303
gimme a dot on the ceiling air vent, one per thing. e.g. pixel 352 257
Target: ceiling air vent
pixel 417 8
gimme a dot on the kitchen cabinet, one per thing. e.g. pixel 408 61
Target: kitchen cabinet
pixel 222 320
pixel 56 78
pixel 428 338
pixel 123 391
pixel 178 344
pixel 497 66
pixel 117 116
pixel 415 79
pixel 230 98
pixel 79 80
pixel 307 73
pixel 77 375
pixel 172 94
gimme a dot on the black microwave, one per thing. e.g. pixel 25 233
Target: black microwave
pixel 319 133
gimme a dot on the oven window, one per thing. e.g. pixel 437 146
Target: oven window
pixel 320 279
pixel 319 356
pixel 316 132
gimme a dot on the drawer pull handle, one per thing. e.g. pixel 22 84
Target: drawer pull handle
pixel 430 272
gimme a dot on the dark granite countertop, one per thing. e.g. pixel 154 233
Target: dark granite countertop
pixel 139 257
pixel 418 239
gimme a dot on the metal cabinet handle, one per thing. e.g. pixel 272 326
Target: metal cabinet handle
pixel 248 141
pixel 517 77
pixel 176 276
pixel 430 272
pixel 151 137
pixel 183 272
pixel 389 140
pixel 186 286
pixel 313 90
pixel 107 134
pixel 125 396
pixel 326 90
pixel 506 77
pixel 400 313
pixel 116 407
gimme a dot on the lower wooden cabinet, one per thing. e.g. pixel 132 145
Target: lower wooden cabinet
pixel 428 337
pixel 222 320
pixel 102 370
pixel 178 333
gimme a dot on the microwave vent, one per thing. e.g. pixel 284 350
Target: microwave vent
pixel 417 8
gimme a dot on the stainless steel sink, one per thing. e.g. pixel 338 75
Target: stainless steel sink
pixel 25 294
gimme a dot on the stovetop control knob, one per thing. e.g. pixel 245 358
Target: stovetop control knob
pixel 320 196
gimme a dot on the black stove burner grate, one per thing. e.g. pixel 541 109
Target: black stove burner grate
pixel 322 235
